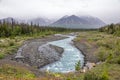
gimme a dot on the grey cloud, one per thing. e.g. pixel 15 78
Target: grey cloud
pixel 107 10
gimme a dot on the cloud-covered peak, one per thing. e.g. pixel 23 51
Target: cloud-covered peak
pixel 108 10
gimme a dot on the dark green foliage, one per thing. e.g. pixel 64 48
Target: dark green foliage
pixel 11 43
pixel 2 55
pixel 111 29
pixel 118 61
pixel 77 66
pixel 15 29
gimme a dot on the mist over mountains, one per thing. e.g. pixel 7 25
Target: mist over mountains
pixel 72 21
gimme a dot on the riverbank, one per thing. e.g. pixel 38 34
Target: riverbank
pixel 101 49
pixel 70 57
pixel 29 51
pixel 87 49
pixel 38 53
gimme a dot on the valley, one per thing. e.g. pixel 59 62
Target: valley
pixel 101 58
pixel 59 39
pixel 34 52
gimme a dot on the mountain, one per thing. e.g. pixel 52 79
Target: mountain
pixel 93 20
pixel 74 21
pixel 40 21
pixel 9 20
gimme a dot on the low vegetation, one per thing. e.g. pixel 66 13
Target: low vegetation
pixel 77 66
pixel 106 41
pixel 111 29
pixel 107 52
pixel 10 72
pixel 12 35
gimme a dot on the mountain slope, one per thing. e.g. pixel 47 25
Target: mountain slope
pixel 40 21
pixel 93 20
pixel 9 20
pixel 74 21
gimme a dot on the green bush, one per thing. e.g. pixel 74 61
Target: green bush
pixel 102 54
pixel 77 66
pixel 90 76
pixel 118 61
pixel 11 43
pixel 117 33
pixel 2 55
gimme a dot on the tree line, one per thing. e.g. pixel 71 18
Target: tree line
pixel 8 29
pixel 111 29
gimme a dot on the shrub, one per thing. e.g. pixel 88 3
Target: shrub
pixel 118 61
pixel 93 76
pixel 117 33
pixel 90 76
pixel 2 55
pixel 77 66
pixel 16 72
pixel 102 54
pixel 11 43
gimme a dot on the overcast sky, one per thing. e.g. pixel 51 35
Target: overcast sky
pixel 106 10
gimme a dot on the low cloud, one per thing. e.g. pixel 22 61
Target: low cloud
pixel 105 9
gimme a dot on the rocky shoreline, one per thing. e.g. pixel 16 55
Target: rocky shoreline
pixel 89 56
pixel 90 59
pixel 35 53
pixel 38 53
pixel 37 58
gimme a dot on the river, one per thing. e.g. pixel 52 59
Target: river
pixel 70 57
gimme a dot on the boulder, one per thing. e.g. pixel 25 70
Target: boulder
pixel 90 65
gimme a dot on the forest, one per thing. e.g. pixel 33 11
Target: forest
pixel 8 29
pixel 111 29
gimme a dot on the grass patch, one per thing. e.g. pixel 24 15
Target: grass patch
pixel 108 51
pixel 2 55
pixel 7 71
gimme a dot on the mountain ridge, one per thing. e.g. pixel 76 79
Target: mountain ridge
pixel 66 21
pixel 74 21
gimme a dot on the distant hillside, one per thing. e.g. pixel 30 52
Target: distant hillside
pixel 93 20
pixel 74 21
pixel 40 21
pixel 9 20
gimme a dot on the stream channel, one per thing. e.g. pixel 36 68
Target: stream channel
pixel 70 57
